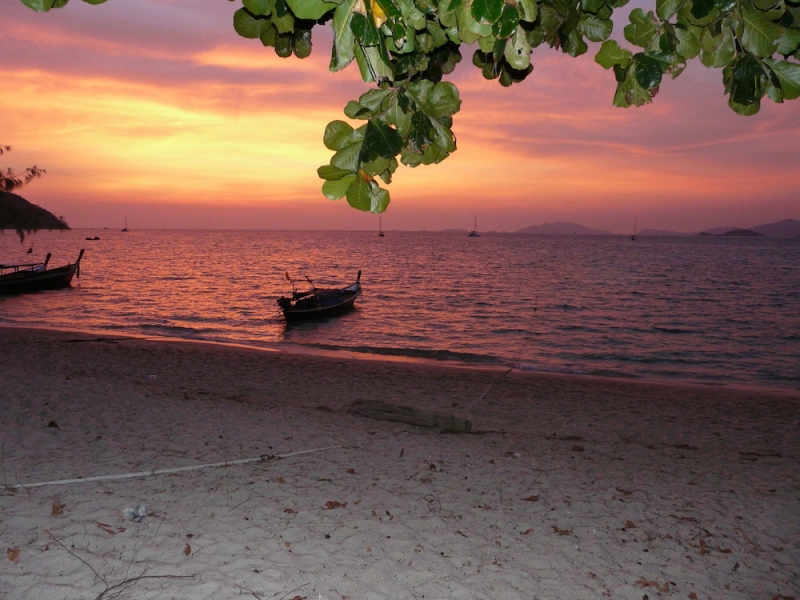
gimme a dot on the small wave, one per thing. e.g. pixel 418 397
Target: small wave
pixel 419 353
pixel 613 373
pixel 663 329
pixel 169 330
pixel 558 370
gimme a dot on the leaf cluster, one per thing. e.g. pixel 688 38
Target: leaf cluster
pixel 407 47
pixel 752 41
pixel 412 121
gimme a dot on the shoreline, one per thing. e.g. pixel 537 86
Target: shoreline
pixel 355 356
pixel 567 487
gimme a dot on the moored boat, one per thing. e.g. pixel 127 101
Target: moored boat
pixel 474 232
pixel 33 277
pixel 316 303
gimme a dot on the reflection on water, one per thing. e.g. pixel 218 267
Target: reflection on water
pixel 717 310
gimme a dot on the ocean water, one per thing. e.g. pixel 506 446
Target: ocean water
pixel 720 311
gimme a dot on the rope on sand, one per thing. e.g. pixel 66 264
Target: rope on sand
pixel 489 389
pixel 227 463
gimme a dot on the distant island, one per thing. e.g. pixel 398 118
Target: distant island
pixel 23 217
pixel 743 233
pixel 562 228
pixel 788 228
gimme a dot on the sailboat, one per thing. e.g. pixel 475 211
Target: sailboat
pixel 126 224
pixel 633 237
pixel 474 232
pixel 380 227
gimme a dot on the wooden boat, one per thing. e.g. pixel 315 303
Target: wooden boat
pixel 33 277
pixel 316 303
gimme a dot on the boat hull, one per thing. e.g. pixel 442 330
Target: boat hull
pixel 24 282
pixel 321 304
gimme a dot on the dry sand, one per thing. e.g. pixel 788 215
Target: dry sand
pixel 567 488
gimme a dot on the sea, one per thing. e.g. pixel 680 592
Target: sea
pixel 721 311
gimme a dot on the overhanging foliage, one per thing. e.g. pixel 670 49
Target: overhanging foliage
pixel 407 47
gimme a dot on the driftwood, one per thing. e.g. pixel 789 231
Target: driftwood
pixel 383 411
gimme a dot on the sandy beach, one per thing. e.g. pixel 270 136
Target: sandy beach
pixel 566 487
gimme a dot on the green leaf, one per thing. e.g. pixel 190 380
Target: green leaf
pixel 709 41
pixel 595 29
pixel 506 25
pixel 259 7
pixel 301 43
pixel 630 93
pixel 380 201
pixel 380 140
pixel 420 135
pixel 702 8
pixel 725 6
pixel 249 26
pixel 442 100
pixel 518 51
pixel 364 29
pixel 547 31
pixel 746 110
pixel 667 8
pixel 283 45
pixel 760 36
pixel 337 188
pixel 762 5
pixel 611 54
pixel 443 137
pixel 433 155
pixel 41 5
pixel 573 44
pixel 788 75
pixel 469 30
pixel 688 44
pixel 374 100
pixel 283 23
pixel 310 9
pixel 774 93
pixel 789 41
pixel 528 10
pixel 379 167
pixel 643 28
pixel 592 6
pixel 347 158
pixel 332 173
pixel 487 11
pixel 338 135
pixel 342 53
pixel 359 193
pixel 743 79
pixel 724 53
pixel 647 71
pixel 60 3
pixel 270 36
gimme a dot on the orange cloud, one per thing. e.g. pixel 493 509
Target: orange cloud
pixel 164 103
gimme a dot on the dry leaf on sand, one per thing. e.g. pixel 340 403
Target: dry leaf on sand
pixel 330 504
pixel 562 531
pixel 13 554
pixel 58 509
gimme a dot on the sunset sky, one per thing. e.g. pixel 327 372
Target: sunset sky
pixel 159 111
